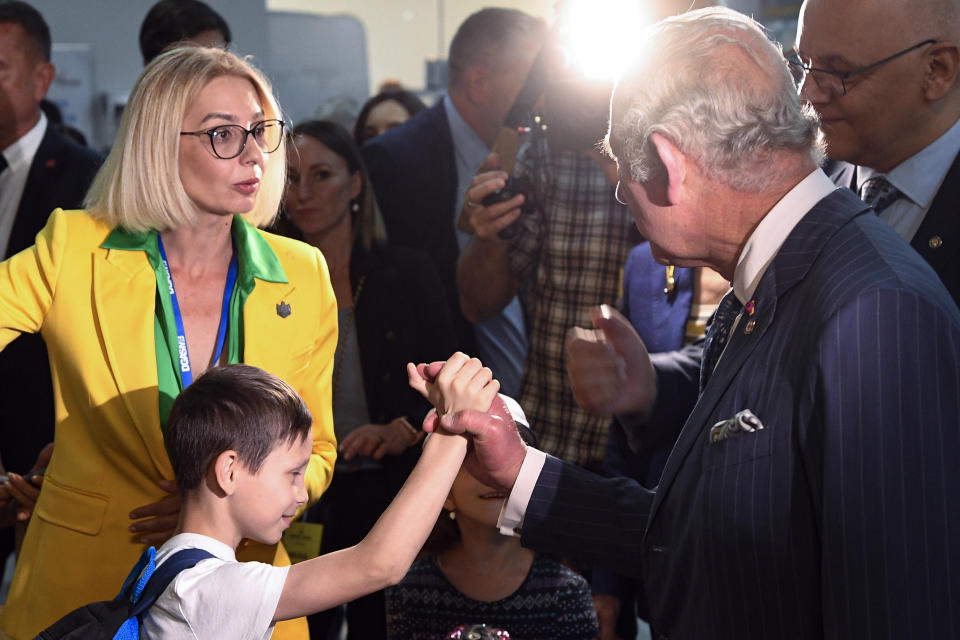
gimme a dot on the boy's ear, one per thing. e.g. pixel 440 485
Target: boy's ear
pixel 225 470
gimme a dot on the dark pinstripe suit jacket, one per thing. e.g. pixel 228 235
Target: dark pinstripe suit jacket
pixel 841 518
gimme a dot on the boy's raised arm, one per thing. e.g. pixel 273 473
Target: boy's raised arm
pixel 383 557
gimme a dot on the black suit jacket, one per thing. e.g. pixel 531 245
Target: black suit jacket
pixel 938 238
pixel 59 176
pixel 401 317
pixel 838 519
pixel 414 176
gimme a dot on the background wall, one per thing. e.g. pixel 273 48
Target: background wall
pixel 402 34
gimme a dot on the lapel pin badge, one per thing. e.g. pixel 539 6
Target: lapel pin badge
pixel 50 163
pixel 283 309
pixel 750 308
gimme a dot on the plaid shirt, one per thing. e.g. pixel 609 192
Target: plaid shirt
pixel 568 256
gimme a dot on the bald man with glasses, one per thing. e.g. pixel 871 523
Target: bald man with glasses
pixel 882 75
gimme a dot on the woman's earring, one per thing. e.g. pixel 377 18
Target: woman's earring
pixel 452 515
pixel 354 206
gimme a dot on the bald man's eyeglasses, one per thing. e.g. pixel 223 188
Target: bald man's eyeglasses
pixel 836 83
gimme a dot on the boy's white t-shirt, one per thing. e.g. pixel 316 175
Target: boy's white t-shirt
pixel 217 598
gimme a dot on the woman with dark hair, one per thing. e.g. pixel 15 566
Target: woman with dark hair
pixel 385 111
pixel 391 311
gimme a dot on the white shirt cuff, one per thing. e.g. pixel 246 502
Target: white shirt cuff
pixel 511 517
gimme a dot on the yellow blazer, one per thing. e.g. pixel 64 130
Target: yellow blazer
pixel 95 310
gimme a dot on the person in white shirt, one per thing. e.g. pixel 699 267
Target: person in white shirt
pixel 240 439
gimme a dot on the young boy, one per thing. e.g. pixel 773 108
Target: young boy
pixel 239 440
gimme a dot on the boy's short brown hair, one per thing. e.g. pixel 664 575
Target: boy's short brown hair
pixel 238 407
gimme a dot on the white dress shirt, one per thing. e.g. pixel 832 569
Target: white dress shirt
pixel 19 157
pixel 758 252
pixel 919 179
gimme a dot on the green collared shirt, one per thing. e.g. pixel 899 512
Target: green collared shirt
pixel 255 260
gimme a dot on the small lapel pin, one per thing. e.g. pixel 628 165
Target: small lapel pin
pixel 750 308
pixel 51 163
pixel 283 309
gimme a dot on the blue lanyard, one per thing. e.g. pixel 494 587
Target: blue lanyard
pixel 186 374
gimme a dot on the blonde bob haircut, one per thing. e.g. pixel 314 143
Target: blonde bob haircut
pixel 138 187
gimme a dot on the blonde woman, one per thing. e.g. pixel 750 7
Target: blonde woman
pixel 163 276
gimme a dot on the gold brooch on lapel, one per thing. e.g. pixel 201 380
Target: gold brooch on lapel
pixel 283 309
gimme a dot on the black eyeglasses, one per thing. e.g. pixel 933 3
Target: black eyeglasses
pixel 835 82
pixel 229 140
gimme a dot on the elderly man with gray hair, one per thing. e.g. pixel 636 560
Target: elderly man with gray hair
pixel 812 491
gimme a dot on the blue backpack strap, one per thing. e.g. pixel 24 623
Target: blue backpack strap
pixel 139 575
pixel 164 575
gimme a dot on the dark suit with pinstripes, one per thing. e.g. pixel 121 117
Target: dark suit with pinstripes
pixel 840 518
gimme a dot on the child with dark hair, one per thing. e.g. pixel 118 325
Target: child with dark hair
pixel 240 439
pixel 471 575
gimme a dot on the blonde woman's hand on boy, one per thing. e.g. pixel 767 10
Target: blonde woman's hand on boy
pixel 461 383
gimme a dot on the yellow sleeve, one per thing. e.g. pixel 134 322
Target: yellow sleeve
pixel 314 385
pixel 28 280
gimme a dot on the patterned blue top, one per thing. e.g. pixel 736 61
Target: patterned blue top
pixel 553 603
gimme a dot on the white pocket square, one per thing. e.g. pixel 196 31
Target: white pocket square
pixel 743 422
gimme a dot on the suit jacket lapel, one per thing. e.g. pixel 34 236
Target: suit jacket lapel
pixel 843 174
pixel 942 221
pixel 124 289
pixel 789 267
pixel 738 349
pixel 445 164
pixel 263 315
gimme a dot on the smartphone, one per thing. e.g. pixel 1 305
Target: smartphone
pixel 4 478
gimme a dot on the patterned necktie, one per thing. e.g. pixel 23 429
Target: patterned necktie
pixel 727 311
pixel 878 193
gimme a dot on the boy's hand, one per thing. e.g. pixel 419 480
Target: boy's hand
pixel 459 384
